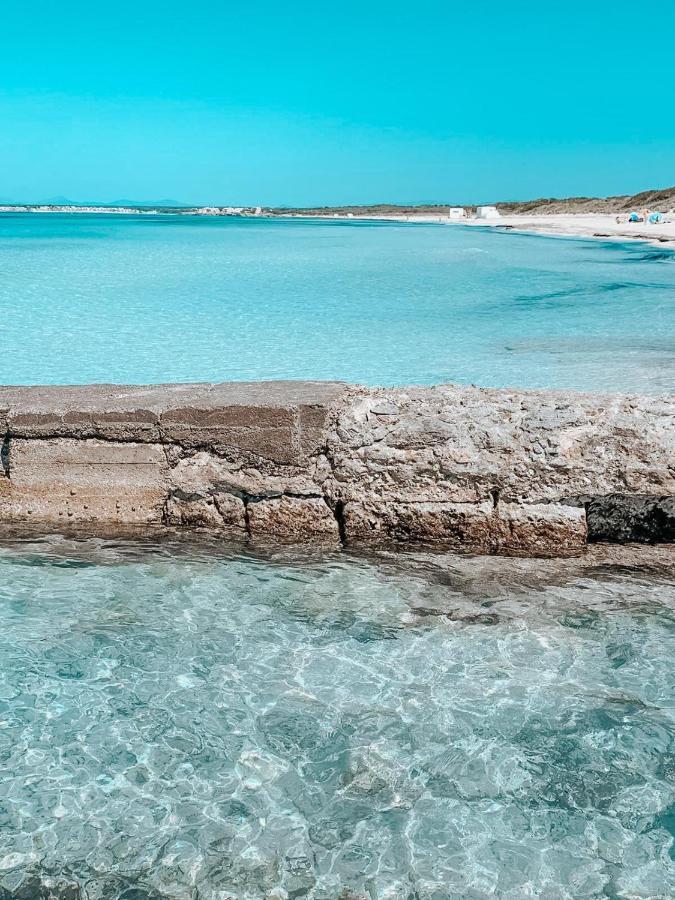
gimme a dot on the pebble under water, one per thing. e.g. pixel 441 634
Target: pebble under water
pixel 188 721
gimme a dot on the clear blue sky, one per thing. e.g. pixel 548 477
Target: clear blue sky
pixel 309 102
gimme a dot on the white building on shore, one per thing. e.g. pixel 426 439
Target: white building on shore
pixel 457 212
pixel 487 212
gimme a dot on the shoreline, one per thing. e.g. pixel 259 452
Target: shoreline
pixel 591 226
pixel 560 225
pixel 595 226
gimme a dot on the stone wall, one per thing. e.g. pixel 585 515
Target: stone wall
pixel 499 471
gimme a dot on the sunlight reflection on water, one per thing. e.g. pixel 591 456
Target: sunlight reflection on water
pixel 178 721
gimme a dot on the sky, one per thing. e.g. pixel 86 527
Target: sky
pixel 304 103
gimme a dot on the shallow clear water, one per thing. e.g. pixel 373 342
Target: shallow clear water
pixel 180 722
pixel 152 299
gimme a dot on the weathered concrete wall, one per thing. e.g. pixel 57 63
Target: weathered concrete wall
pixel 493 470
pixel 430 460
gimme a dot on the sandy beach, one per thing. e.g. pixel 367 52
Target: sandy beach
pixel 587 225
pixel 581 225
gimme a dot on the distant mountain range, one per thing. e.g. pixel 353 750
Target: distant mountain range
pixel 65 201
pixel 662 200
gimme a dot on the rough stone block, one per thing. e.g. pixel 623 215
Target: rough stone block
pixel 446 524
pixel 273 444
pixel 542 529
pixel 204 473
pixel 217 511
pixel 283 421
pixel 457 444
pixel 302 519
pixel 109 411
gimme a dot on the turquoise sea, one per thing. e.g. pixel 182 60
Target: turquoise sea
pixel 188 720
pixel 192 722
pixel 150 299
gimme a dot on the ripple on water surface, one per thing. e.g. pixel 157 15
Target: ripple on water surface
pixel 197 723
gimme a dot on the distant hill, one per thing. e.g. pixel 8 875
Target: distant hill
pixel 657 200
pixel 660 200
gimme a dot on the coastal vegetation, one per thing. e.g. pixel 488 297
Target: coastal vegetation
pixel 658 200
pixel 662 200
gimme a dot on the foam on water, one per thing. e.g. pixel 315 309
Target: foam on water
pixel 182 722
pixel 150 299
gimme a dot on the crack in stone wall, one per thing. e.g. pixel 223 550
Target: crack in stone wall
pixel 4 456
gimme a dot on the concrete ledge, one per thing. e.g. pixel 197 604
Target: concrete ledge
pixel 498 471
